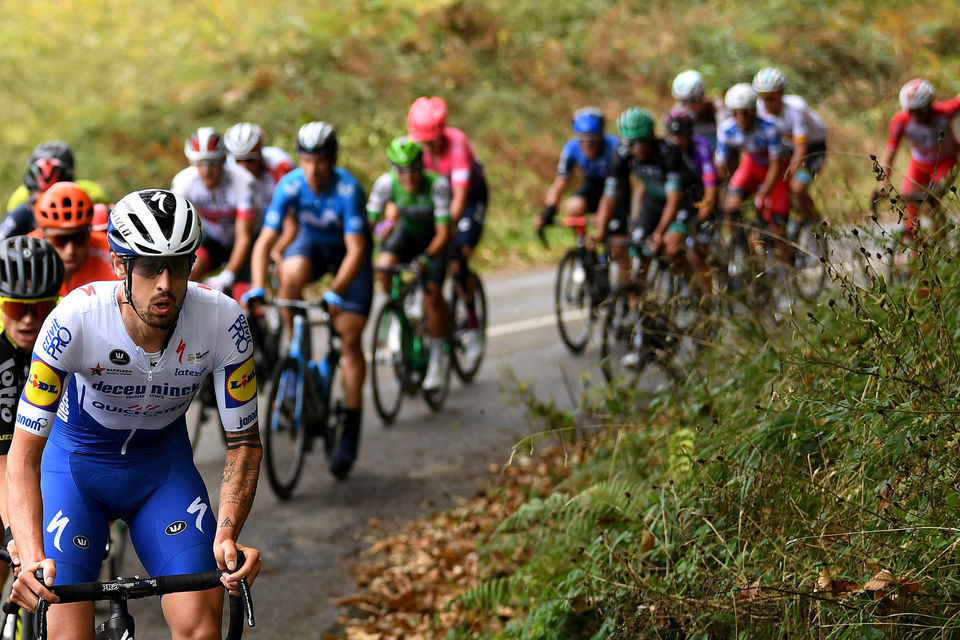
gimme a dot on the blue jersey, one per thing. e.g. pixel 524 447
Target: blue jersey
pixel 596 169
pixel 761 143
pixel 327 216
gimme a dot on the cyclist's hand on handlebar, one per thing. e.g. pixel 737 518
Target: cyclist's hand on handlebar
pixel 226 553
pixel 332 302
pixel 254 294
pixel 27 589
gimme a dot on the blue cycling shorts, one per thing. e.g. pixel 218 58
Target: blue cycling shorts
pixel 326 258
pixel 159 494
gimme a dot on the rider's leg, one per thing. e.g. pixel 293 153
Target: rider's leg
pixel 295 272
pixel 193 615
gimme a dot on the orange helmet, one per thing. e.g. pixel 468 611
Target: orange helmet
pixel 64 206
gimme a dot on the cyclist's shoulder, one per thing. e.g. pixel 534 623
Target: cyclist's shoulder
pixel 949 107
pixel 345 184
pixel 276 159
pixel 185 177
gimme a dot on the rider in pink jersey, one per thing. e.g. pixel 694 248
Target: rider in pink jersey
pixel 926 125
pixel 447 151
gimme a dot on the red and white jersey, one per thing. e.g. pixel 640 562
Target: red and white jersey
pixel 459 163
pixel 235 198
pixel 276 164
pixel 929 141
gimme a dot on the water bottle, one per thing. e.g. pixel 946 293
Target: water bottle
pixel 413 306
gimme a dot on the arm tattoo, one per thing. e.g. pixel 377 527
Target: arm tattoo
pixel 247 438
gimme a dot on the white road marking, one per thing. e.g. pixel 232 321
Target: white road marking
pixel 531 323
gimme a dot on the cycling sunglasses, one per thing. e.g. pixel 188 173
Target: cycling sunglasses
pixel 151 268
pixel 77 239
pixel 16 308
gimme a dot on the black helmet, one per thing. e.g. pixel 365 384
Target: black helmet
pixel 29 268
pixel 50 162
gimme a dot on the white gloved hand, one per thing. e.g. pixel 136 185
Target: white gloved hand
pixel 222 281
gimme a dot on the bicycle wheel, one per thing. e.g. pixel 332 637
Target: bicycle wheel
pixel 573 301
pixel 622 352
pixel 284 434
pixel 465 365
pixel 335 405
pixel 809 268
pixel 388 373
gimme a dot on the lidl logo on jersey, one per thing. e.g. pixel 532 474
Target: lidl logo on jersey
pixel 44 385
pixel 241 383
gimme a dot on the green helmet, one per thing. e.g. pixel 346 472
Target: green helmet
pixel 405 153
pixel 635 124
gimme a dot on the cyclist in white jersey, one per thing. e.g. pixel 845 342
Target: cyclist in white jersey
pixel 226 198
pixel 100 429
pixel 803 133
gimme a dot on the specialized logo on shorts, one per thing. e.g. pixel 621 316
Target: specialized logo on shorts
pixel 81 542
pixel 175 527
pixel 241 383
pixel 43 386
pixel 56 340
pixel 119 357
pixel 240 332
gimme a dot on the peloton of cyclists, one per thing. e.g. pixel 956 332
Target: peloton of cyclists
pixel 226 198
pixel 927 126
pixel 420 230
pixel 333 236
pixel 688 90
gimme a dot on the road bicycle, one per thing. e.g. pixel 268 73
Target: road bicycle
pixel 399 353
pixel 305 396
pixel 583 281
pixel 465 366
pixel 120 624
pixel 646 318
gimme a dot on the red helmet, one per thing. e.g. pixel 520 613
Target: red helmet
pixel 427 119
pixel 64 206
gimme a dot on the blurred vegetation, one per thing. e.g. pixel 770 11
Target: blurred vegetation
pixel 123 83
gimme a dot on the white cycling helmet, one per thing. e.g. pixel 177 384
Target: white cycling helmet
pixel 154 222
pixel 244 141
pixel 741 96
pixel 688 85
pixel 204 145
pixel 318 137
pixel 769 80
pixel 916 94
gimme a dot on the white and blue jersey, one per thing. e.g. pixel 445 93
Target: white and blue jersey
pixel 114 418
pixel 595 169
pixel 761 143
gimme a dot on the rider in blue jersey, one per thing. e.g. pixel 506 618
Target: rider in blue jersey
pixel 333 236
pixel 591 152
pixel 100 429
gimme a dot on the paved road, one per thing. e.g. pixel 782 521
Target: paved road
pixel 420 464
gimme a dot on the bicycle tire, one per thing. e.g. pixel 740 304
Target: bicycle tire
pixel 334 405
pixel 284 435
pixel 573 301
pixel 619 337
pixel 809 268
pixel 466 371
pixel 388 361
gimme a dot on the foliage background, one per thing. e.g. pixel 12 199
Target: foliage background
pixel 123 82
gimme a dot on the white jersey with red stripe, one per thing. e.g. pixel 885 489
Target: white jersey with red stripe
pixel 93 389
pixel 234 198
